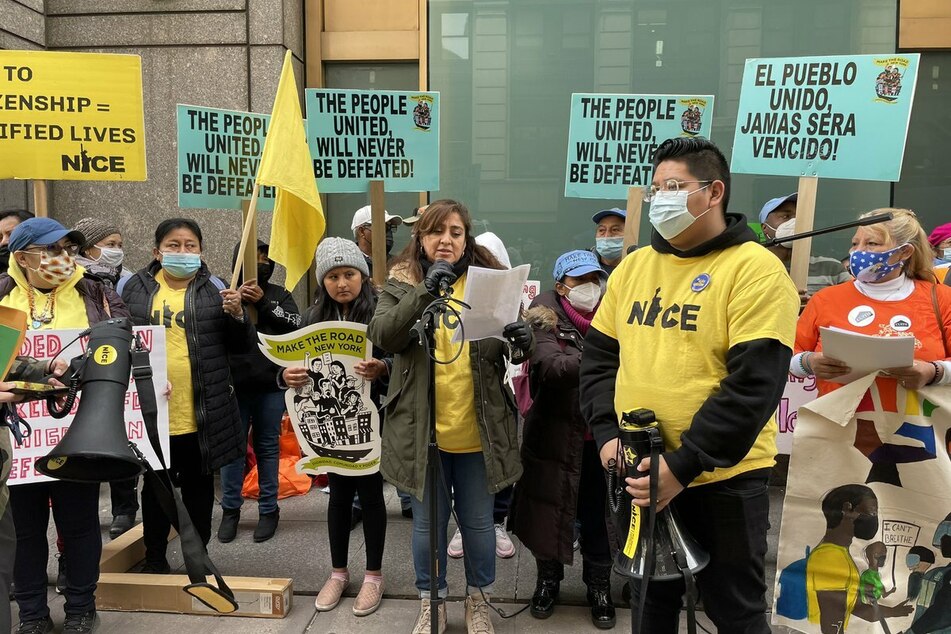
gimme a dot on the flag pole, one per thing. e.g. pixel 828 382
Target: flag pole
pixel 245 235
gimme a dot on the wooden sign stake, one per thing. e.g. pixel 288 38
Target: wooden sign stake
pixel 378 232
pixel 249 226
pixel 805 214
pixel 40 199
pixel 632 225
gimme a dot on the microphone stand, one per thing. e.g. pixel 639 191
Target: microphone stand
pixel 862 222
pixel 425 330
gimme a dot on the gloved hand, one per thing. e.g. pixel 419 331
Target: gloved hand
pixel 520 335
pixel 440 271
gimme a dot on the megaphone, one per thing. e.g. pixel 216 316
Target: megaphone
pixel 96 448
pixel 660 549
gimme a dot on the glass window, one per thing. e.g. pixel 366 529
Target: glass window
pixel 505 105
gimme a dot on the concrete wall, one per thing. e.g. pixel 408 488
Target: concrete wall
pixel 215 53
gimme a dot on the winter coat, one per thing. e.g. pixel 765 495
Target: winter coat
pixel 545 501
pixel 211 335
pixel 406 434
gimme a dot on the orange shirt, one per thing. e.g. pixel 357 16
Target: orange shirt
pixel 843 306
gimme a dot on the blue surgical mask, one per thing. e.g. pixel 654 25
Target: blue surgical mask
pixel 609 248
pixel 669 213
pixel 871 266
pixel 945 254
pixel 181 265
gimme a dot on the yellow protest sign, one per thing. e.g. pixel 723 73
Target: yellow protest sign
pixel 71 116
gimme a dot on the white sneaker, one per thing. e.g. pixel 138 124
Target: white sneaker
pixel 478 620
pixel 424 620
pixel 455 545
pixel 504 547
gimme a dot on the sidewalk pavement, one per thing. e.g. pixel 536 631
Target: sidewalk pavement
pixel 300 551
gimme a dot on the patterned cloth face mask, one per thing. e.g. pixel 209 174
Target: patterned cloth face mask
pixel 871 266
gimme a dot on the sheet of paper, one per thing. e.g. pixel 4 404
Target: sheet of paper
pixel 495 297
pixel 866 353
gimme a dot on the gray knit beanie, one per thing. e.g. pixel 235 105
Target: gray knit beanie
pixel 94 230
pixel 334 252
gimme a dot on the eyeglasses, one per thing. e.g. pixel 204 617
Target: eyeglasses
pixel 670 185
pixel 53 250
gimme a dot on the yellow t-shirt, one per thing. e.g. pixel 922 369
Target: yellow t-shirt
pixel 830 568
pixel 456 425
pixel 168 309
pixel 675 320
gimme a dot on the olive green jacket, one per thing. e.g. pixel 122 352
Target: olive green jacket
pixel 406 426
pixel 23 369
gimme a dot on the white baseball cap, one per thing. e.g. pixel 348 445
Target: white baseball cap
pixel 362 217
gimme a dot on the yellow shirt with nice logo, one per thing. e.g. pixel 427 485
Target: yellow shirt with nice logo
pixel 675 320
pixel 456 425
pixel 168 309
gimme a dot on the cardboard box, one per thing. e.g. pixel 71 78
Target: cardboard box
pixel 129 592
pixel 125 551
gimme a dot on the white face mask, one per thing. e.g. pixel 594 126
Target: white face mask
pixel 111 257
pixel 669 213
pixel 946 254
pixel 785 230
pixel 584 297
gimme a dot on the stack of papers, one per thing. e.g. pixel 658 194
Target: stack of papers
pixel 865 354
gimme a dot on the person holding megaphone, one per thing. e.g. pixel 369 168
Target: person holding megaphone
pixel 45 282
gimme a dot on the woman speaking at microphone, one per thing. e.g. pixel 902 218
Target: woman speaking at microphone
pixel 475 409
pixel 44 282
pixel 893 294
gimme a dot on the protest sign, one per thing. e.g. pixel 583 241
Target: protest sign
pixel 218 156
pixel 843 116
pixel 48 431
pixel 357 136
pixel 612 138
pixel 334 418
pixel 863 545
pixel 529 292
pixel 71 116
pixel 798 392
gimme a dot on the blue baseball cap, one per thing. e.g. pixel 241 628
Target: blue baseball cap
pixel 620 213
pixel 576 264
pixel 771 206
pixel 42 231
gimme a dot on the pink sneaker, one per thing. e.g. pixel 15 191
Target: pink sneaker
pixel 329 595
pixel 369 597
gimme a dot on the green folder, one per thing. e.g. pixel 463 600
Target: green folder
pixel 12 330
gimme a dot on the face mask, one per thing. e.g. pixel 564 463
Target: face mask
pixel 870 267
pixel 181 265
pixel 880 561
pixel 669 213
pixel 264 273
pixel 109 262
pixel 4 259
pixel 389 240
pixel 55 270
pixel 584 297
pixel 785 230
pixel 945 254
pixel 865 526
pixel 609 248
pixel 912 560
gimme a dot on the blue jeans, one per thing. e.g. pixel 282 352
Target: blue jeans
pixel 464 475
pixel 263 411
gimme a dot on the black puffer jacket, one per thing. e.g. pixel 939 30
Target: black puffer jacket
pixel 211 335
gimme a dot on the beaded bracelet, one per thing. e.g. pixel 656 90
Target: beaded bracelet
pixel 802 364
pixel 938 371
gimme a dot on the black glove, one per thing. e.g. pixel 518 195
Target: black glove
pixel 440 276
pixel 519 334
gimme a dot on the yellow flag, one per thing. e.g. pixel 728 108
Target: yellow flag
pixel 298 221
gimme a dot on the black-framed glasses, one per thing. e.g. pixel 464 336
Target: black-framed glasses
pixel 53 250
pixel 669 185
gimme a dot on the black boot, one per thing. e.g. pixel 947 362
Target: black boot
pixel 228 529
pixel 267 524
pixel 599 598
pixel 550 574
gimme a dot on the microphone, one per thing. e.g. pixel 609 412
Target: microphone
pixel 445 281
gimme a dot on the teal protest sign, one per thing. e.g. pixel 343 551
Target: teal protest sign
pixel 843 116
pixel 218 156
pixel 612 138
pixel 356 136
